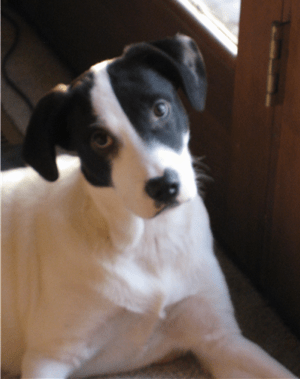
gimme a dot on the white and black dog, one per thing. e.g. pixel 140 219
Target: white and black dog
pixel 111 267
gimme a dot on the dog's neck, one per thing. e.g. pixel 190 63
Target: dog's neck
pixel 125 228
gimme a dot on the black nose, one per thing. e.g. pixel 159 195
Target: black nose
pixel 165 188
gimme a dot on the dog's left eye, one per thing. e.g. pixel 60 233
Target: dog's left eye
pixel 161 108
pixel 101 140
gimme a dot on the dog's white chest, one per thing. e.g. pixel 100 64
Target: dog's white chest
pixel 130 286
pixel 143 283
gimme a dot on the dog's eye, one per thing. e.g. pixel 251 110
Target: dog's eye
pixel 161 108
pixel 101 140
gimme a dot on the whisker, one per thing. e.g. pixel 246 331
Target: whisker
pixel 201 169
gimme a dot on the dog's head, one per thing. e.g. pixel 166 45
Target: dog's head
pixel 125 121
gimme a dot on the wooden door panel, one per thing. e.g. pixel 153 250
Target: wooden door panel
pixel 281 274
pixel 263 200
pixel 251 137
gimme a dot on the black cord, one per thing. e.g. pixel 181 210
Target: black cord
pixel 10 51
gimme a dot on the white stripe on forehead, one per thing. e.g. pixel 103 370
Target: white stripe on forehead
pixel 107 107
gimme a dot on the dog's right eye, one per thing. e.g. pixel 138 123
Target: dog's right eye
pixel 161 108
pixel 101 140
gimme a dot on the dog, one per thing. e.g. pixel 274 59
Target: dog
pixel 107 254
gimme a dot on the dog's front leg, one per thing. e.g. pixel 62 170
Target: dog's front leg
pixel 206 325
pixel 219 344
pixel 36 366
pixel 238 357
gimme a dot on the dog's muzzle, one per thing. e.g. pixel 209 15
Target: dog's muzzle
pixel 164 189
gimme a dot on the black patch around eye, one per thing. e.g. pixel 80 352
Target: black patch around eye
pixel 101 142
pixel 96 155
pixel 98 175
pixel 95 167
pixel 95 164
pixel 138 89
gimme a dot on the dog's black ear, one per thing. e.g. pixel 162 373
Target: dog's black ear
pixel 189 62
pixel 180 60
pixel 47 128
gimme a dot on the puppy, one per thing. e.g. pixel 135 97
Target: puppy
pixel 108 264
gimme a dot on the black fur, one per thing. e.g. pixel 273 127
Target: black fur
pixel 138 88
pixel 65 118
pixel 146 75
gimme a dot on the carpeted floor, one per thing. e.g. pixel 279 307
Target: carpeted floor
pixel 35 69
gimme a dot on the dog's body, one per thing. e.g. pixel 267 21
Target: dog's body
pixel 111 267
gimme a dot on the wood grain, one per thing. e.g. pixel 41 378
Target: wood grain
pixel 252 136
pixel 282 270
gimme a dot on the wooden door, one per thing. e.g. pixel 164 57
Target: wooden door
pixel 281 269
pixel 263 201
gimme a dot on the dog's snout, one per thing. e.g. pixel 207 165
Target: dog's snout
pixel 164 189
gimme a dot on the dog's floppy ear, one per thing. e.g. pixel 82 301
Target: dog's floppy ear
pixel 47 128
pixel 190 64
pixel 180 60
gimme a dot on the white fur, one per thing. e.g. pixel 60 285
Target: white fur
pixel 91 287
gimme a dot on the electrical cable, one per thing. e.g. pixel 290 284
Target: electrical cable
pixel 8 54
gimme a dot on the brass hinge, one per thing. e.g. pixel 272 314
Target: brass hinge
pixel 275 64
